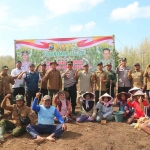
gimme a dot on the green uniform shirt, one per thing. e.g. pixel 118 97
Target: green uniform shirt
pixel 111 76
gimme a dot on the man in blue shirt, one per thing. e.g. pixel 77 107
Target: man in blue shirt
pixel 32 78
pixel 46 114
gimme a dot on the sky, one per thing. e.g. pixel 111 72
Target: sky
pixel 128 20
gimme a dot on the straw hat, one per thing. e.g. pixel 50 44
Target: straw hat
pixel 64 92
pixel 88 93
pixel 140 93
pixel 127 95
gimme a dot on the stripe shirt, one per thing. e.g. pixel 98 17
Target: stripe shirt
pixel 70 80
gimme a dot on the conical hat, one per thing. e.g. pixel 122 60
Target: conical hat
pixel 106 95
pixel 90 93
pixel 139 93
pixel 65 92
pixel 134 89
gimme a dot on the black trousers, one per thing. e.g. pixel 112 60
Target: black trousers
pixel 123 89
pixel 19 90
pixel 43 93
pixel 29 96
pixel 112 91
pixel 97 95
pixel 72 95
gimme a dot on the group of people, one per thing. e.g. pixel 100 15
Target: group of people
pixel 38 83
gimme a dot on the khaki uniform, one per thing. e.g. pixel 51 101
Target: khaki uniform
pixel 14 124
pixel 25 111
pixel 103 75
pixel 7 79
pixel 147 80
pixel 44 83
pixel 54 79
pixel 137 78
pixel 1 85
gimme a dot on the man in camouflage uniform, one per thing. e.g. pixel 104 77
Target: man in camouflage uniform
pixel 111 80
pixel 43 84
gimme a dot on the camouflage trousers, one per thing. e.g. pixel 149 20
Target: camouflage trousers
pixel 9 126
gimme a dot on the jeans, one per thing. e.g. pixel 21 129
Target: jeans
pixel 44 129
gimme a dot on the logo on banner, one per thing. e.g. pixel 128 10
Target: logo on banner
pixel 51 46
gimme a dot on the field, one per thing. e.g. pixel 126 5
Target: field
pixel 85 136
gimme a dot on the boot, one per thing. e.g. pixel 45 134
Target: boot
pixel 2 132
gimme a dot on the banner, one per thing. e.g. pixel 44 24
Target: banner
pixel 80 50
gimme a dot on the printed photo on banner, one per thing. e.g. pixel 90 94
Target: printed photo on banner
pixel 80 50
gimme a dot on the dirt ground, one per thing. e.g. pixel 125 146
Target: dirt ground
pixel 85 136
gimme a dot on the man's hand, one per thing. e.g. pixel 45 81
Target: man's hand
pixel 8 96
pixel 119 64
pixel 64 127
pixel 130 71
pixel 38 95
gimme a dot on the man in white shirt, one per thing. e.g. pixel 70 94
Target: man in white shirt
pixel 18 87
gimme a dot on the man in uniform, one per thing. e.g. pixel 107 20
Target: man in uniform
pixel 100 78
pixel 54 80
pixel 43 85
pixel 1 96
pixel 111 79
pixel 147 80
pixel 25 60
pixel 19 110
pixel 86 84
pixel 7 80
pixel 106 58
pixel 136 77
pixel 70 84
pixel 124 84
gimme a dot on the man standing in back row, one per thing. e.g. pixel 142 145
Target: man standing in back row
pixel 54 80
pixel 70 84
pixel 124 84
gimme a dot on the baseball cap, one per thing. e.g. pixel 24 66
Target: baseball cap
pixel 109 64
pixel 43 64
pixel 46 97
pixel 31 65
pixel 100 63
pixel 5 67
pixel 19 97
pixel 136 64
pixel 123 59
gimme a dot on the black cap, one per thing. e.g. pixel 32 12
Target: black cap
pixel 5 67
pixel 100 63
pixel 54 62
pixel 136 64
pixel 31 65
pixel 123 59
pixel 85 64
pixel 43 64
pixel 109 64
pixel 69 62
pixel 18 61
